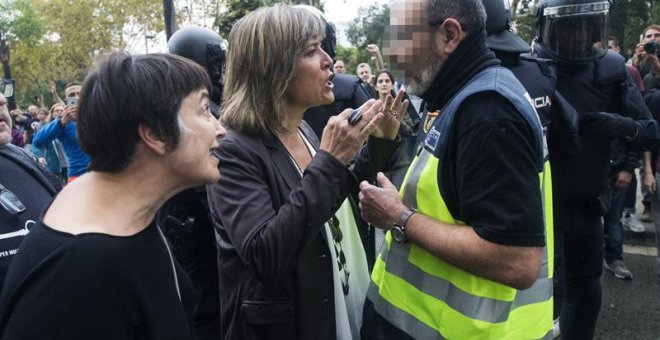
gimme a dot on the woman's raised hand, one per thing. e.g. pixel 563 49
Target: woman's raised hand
pixel 394 110
pixel 342 139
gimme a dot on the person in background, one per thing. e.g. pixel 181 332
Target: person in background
pixel 339 66
pixel 49 155
pixel 56 111
pixel 97 266
pixel 26 189
pixel 364 72
pixel 385 87
pixel 64 130
pixel 286 227
pixel 630 219
pixel 594 81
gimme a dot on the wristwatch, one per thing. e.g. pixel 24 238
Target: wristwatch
pixel 398 229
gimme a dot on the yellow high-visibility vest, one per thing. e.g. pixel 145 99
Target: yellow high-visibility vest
pixel 429 298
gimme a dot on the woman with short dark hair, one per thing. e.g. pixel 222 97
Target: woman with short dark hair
pixel 97 265
pixel 290 257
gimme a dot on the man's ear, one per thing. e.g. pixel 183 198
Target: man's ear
pixel 151 140
pixel 453 35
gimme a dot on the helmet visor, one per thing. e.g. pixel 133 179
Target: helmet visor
pixel 576 36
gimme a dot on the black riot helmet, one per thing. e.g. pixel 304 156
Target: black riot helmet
pixel 572 30
pixel 498 28
pixel 329 44
pixel 206 48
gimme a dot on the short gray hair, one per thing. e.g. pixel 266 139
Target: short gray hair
pixel 469 13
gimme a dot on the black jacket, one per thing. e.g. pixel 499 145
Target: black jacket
pixel 601 92
pixel 276 278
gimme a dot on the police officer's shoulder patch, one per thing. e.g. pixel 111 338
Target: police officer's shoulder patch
pixel 430 118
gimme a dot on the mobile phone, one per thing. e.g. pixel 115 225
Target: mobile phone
pixel 71 101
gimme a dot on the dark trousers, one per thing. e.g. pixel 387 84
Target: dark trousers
pixel 612 228
pixel 579 265
pixel 631 196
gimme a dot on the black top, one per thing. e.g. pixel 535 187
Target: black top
pixel 492 182
pixel 27 180
pixel 94 286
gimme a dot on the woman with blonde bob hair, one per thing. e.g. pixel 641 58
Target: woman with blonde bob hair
pixel 291 260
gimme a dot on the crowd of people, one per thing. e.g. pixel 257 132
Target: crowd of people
pixel 235 190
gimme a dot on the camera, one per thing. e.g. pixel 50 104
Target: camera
pixel 71 101
pixel 652 47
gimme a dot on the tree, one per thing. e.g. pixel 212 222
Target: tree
pixel 368 28
pixel 52 39
pixel 236 9
pixel 637 19
pixel 19 23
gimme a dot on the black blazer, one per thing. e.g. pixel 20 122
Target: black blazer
pixel 276 279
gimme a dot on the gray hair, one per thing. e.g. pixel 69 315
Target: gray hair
pixel 469 13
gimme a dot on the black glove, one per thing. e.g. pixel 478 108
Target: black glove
pixel 605 126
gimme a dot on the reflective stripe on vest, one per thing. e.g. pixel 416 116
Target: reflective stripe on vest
pixel 429 298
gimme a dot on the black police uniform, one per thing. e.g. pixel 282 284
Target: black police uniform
pixel 185 218
pixel 186 223
pixel 579 181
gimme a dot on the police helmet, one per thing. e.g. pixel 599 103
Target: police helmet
pixel 203 46
pixel 498 27
pixel 572 30
pixel 329 44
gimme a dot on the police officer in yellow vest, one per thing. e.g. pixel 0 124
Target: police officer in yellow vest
pixel 466 255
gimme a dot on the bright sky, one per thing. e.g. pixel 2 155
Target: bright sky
pixel 342 12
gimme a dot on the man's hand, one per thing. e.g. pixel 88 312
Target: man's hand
pixel 652 60
pixel 53 87
pixel 69 115
pixel 373 49
pixel 623 179
pixel 649 181
pixel 380 206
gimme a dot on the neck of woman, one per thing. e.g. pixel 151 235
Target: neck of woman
pixel 293 117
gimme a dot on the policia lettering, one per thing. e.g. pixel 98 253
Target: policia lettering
pixel 429 298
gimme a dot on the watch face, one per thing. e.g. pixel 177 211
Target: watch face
pixel 398 234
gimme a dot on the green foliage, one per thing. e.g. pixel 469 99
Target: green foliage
pixel 351 57
pixel 637 19
pixel 617 28
pixel 369 26
pixel 61 39
pixel 236 9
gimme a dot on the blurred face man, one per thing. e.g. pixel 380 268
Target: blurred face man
pixel 339 67
pixel 5 122
pixel 411 44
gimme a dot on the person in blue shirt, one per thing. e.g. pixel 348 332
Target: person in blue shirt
pixel 64 129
